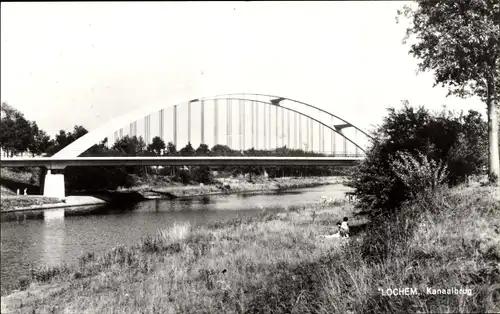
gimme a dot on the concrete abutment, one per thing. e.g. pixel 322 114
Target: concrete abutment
pixel 53 183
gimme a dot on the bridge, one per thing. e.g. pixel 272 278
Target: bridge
pixel 241 121
pixel 61 163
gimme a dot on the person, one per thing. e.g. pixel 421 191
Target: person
pixel 338 227
pixel 344 228
pixel 338 233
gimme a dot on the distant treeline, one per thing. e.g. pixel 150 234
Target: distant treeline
pixel 19 135
pixel 112 177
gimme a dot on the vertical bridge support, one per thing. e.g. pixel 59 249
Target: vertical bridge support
pixel 53 183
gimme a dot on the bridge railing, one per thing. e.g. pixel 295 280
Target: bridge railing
pixel 345 155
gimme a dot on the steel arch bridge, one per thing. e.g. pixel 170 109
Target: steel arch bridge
pixel 241 121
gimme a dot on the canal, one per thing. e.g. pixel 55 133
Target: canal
pixel 51 237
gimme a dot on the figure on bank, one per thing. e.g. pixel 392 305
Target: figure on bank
pixel 344 228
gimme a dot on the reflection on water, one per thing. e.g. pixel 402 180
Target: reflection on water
pixel 51 237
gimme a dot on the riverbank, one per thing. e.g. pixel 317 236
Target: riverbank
pixel 155 190
pixel 228 186
pixel 35 202
pixel 278 263
pixel 24 202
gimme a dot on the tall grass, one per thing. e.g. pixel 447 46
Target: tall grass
pixel 178 232
pixel 275 263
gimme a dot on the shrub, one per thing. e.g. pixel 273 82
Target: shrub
pixel 418 176
pixel 203 175
pixel 24 282
pixel 382 184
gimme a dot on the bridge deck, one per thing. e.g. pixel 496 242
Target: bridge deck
pixel 59 163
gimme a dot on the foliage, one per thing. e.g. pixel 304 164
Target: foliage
pixel 157 146
pixel 203 150
pixel 183 176
pixel 455 140
pixel 222 150
pixel 63 139
pixel 460 42
pixel 469 154
pixel 188 150
pixel 418 175
pixel 129 146
pixel 40 140
pixel 203 175
pixel 15 130
pixel 171 149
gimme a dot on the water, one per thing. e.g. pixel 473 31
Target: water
pixel 52 237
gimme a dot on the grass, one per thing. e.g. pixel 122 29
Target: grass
pixel 22 175
pixel 6 191
pixel 276 263
pixel 158 184
pixel 11 202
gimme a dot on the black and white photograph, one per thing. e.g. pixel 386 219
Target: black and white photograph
pixel 250 157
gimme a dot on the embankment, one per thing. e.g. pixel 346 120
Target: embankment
pixel 230 185
pixel 278 263
pixel 16 202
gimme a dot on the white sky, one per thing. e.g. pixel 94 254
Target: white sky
pixel 84 63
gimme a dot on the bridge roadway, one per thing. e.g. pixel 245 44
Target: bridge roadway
pixel 61 163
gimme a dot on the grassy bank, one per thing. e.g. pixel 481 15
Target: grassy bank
pixel 277 263
pixel 11 202
pixel 155 187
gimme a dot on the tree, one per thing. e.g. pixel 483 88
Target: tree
pixel 222 150
pixel 78 131
pixel 15 130
pixel 157 145
pixel 203 150
pixel 171 149
pixel 188 150
pixel 40 142
pixel 7 128
pixel 63 138
pixel 129 146
pixel 460 41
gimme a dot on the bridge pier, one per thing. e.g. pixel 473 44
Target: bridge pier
pixel 53 183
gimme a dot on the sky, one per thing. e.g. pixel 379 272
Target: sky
pixel 72 63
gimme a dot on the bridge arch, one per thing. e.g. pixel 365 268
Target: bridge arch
pixel 95 136
pixel 302 103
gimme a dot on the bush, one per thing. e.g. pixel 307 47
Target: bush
pixel 183 176
pixel 24 282
pixel 203 175
pixel 418 176
pixel 457 143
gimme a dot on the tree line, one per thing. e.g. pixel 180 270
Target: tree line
pixel 19 135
